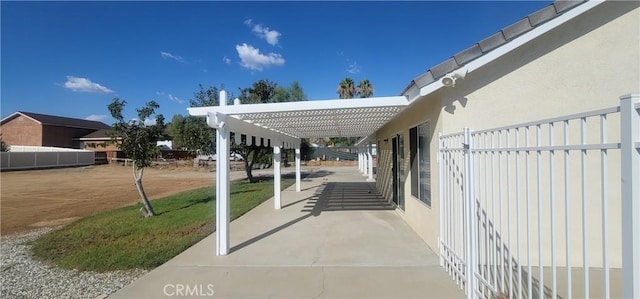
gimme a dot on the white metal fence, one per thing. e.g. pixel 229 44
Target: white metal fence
pixel 544 209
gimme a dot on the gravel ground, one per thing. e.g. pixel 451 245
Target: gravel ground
pixel 24 277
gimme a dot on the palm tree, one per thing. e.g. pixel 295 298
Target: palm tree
pixel 346 88
pixel 365 89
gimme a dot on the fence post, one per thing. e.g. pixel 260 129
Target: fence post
pixel 441 220
pixel 630 168
pixel 470 215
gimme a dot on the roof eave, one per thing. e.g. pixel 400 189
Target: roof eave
pixel 12 115
pixel 501 50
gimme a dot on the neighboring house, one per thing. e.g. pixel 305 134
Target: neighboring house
pixel 100 142
pixel 27 128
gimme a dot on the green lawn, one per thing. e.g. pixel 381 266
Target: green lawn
pixel 123 239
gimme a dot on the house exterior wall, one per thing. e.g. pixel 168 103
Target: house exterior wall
pixel 585 64
pixel 63 136
pixel 422 218
pixel 21 131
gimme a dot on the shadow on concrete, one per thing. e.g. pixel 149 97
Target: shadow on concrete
pixel 346 196
pixel 331 197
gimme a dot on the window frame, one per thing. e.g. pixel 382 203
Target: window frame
pixel 415 155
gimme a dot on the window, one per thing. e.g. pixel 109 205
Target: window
pixel 420 162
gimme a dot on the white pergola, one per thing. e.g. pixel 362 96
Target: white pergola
pixel 282 125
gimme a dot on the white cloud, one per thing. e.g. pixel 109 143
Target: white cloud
pixel 85 85
pixel 97 117
pixel 166 55
pixel 170 97
pixel 175 99
pixel 149 121
pixel 271 36
pixel 252 59
pixel 353 68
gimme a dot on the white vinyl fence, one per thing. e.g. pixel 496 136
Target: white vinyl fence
pixel 34 157
pixel 544 209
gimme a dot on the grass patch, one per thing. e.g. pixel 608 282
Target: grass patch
pixel 123 239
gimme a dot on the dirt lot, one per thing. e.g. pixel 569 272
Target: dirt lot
pixel 37 198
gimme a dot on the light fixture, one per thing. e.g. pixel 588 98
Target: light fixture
pixel 449 80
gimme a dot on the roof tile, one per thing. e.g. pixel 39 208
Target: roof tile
pixel 444 67
pixel 563 5
pixel 516 29
pixel 492 42
pixel 469 54
pixel 424 79
pixel 543 15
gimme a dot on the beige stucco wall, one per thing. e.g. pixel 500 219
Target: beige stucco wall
pixel 422 218
pixel 586 64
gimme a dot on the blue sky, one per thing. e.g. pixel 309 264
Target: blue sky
pixel 72 58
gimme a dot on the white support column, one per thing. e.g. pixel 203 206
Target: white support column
pixel 222 186
pixel 360 159
pixel 276 177
pixel 297 168
pixel 370 160
pixel 363 160
pixel 365 163
pixel 630 154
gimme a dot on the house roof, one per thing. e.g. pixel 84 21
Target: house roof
pixel 489 44
pixel 102 134
pixel 53 120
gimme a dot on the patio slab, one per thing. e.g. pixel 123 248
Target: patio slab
pixel 337 238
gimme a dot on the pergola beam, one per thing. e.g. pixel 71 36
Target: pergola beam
pixel 305 106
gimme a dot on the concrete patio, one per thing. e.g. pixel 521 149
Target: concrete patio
pixel 337 238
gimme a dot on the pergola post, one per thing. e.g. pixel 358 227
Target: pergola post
pixel 365 163
pixel 222 185
pixel 370 160
pixel 360 159
pixel 298 168
pixel 276 177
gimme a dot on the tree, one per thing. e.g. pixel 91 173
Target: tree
pixel 365 89
pixel 263 91
pixel 137 140
pixel 192 133
pixel 206 97
pixel 292 94
pixel 3 146
pixel 346 88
